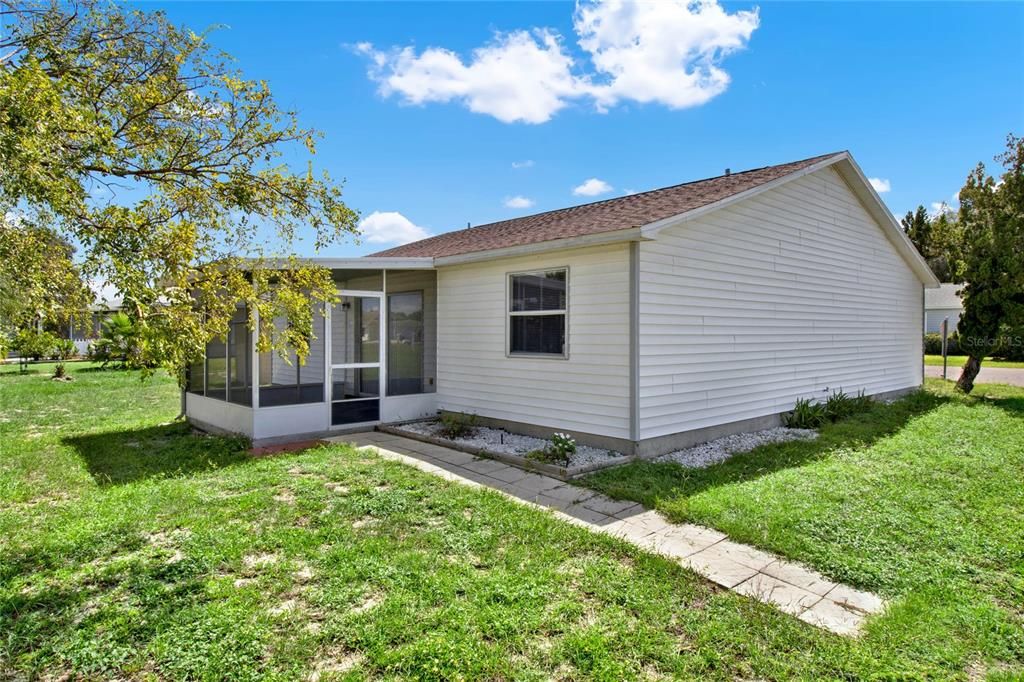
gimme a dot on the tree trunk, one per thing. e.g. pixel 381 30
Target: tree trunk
pixel 970 371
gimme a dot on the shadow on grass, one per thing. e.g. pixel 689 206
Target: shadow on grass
pixel 118 457
pixel 647 482
pixel 1009 399
pixel 40 368
pixel 13 371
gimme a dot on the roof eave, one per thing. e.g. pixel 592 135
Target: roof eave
pixel 628 234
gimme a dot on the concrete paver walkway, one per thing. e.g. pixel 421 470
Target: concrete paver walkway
pixel 791 587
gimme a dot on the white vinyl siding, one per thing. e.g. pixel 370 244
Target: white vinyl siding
pixel 784 295
pixel 588 391
pixel 933 320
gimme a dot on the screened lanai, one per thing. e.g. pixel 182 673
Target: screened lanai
pixel 372 358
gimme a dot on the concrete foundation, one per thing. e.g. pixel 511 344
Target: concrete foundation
pixel 649 448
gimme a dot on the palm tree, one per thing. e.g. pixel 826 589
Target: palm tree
pixel 118 340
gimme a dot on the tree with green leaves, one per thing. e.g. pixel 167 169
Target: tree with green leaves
pixel 180 180
pixel 938 239
pixel 992 220
pixel 39 282
pixel 917 224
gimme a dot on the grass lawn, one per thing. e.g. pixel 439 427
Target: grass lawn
pixel 957 361
pixel 921 501
pixel 131 548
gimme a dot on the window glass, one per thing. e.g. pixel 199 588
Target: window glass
pixel 405 343
pixel 538 334
pixel 539 291
pixel 537 312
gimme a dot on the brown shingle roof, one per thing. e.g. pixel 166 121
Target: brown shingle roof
pixel 601 216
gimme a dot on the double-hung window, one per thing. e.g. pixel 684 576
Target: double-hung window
pixel 537 312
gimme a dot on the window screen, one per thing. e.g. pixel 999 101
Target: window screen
pixel 537 312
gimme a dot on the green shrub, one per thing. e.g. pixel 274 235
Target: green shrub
pixel 63 349
pixel 933 344
pixel 1011 343
pixel 457 425
pixel 30 343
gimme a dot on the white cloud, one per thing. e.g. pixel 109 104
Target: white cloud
pixel 665 52
pixel 528 163
pixel 628 192
pixel 390 227
pixel 591 188
pixel 518 202
pixel 520 76
pixel 880 184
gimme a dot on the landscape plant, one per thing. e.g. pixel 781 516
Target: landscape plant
pixel 117 341
pixel 457 425
pixel 811 414
pixel 933 344
pixel 33 344
pixel 559 451
pixel 806 414
pixel 63 350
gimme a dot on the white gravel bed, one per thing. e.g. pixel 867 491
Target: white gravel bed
pixel 503 442
pixel 721 449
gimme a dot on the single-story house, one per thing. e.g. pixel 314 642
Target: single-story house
pixel 84 327
pixel 643 323
pixel 942 303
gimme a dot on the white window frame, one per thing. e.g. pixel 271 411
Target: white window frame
pixel 509 314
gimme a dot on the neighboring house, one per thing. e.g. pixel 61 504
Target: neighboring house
pixel 643 323
pixel 942 303
pixel 85 327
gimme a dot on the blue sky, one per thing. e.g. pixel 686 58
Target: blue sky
pixel 918 92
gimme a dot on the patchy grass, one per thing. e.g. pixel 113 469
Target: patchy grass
pixel 921 501
pixel 131 548
pixel 957 361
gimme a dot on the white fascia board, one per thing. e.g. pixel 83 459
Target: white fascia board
pixel 626 235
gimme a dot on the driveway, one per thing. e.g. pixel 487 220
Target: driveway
pixel 987 375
